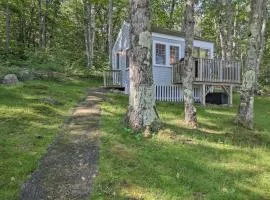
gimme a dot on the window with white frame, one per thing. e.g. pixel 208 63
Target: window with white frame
pixel 205 53
pixel 196 52
pixel 201 52
pixel 117 60
pixel 160 54
pixel 127 60
pixel 174 54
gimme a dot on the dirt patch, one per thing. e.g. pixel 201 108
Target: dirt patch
pixel 70 165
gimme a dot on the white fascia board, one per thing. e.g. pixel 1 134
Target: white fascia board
pixel 167 36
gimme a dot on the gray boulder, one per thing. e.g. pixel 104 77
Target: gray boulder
pixel 50 101
pixel 10 79
pixel 25 74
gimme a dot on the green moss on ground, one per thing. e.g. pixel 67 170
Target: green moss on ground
pixel 219 160
pixel 28 125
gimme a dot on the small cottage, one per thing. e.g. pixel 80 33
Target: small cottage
pixel 167 51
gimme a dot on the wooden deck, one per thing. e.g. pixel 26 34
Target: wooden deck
pixel 208 75
pixel 210 71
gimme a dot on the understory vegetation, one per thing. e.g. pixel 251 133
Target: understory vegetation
pixel 219 160
pixel 31 115
pixel 58 49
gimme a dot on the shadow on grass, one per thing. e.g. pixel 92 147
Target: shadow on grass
pixel 192 164
pixel 28 126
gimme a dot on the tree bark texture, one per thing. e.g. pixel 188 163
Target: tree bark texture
pixel 190 110
pixel 141 114
pixel 7 13
pixel 245 113
pixel 225 19
pixel 110 31
pixel 261 38
pixel 42 26
pixel 171 14
pixel 89 32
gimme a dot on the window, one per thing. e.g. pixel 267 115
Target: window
pixel 127 61
pixel 117 61
pixel 196 52
pixel 204 53
pixel 174 54
pixel 161 54
pixel 201 53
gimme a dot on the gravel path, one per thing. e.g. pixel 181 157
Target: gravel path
pixel 70 165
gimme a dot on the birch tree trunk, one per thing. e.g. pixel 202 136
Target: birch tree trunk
pixel 225 16
pixel 245 113
pixel 110 31
pixel 7 13
pixel 93 34
pixel 235 32
pixel 141 114
pixel 171 14
pixel 229 27
pixel 86 41
pixel 261 38
pixel 42 43
pixel 190 110
pixel 89 32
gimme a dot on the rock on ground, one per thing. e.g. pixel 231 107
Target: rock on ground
pixel 10 79
pixel 50 101
pixel 25 75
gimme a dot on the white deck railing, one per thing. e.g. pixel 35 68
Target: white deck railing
pixel 210 71
pixel 174 93
pixel 112 78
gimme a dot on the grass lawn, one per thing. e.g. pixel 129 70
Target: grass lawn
pixel 28 126
pixel 219 160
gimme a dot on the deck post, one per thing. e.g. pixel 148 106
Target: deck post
pixel 221 72
pixel 104 78
pixel 231 95
pixel 203 94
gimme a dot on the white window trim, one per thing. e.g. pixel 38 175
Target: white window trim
pixel 206 48
pixel 154 53
pixel 205 45
pixel 119 57
pixel 210 54
pixel 177 38
pixel 179 52
pixel 114 61
pixel 167 45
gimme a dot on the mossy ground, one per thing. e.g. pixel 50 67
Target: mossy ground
pixel 28 125
pixel 219 160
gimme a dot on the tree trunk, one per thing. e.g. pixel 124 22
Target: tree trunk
pixel 190 110
pixel 110 32
pixel 225 16
pixel 235 33
pixel 222 43
pixel 89 32
pixel 229 27
pixel 7 28
pixel 245 113
pixel 93 34
pixel 86 39
pixel 261 39
pixel 171 14
pixel 141 114
pixel 41 26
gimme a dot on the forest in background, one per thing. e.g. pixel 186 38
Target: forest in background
pixel 75 36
